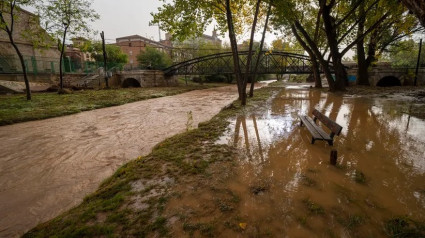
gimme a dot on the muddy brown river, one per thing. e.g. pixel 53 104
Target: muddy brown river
pixel 286 185
pixel 49 166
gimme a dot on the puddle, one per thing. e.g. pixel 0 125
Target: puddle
pixel 286 185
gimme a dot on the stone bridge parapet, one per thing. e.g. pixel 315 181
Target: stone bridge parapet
pixel 382 75
pixel 145 78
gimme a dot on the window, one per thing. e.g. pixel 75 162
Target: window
pixel 129 44
pixel 131 52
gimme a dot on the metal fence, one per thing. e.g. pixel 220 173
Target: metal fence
pixel 10 64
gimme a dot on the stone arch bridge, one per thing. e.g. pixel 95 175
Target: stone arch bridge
pixel 382 75
pixel 271 62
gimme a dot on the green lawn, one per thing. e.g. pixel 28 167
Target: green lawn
pixel 15 108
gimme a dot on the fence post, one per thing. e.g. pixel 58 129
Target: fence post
pixel 52 66
pixel 334 157
pixel 34 65
pixel 418 63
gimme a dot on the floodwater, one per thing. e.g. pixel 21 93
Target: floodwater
pixel 287 186
pixel 49 166
pixel 281 185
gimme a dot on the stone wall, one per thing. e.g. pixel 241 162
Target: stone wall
pixel 406 76
pixel 147 78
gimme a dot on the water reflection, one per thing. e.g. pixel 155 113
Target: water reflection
pixel 381 162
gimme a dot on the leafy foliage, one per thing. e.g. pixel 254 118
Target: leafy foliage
pixel 404 54
pixel 64 18
pixel 116 57
pixel 188 18
pixel 152 58
pixel 69 15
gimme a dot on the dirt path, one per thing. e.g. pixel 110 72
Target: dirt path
pixel 49 166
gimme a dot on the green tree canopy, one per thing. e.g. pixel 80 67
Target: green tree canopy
pixel 405 54
pixel 67 18
pixel 116 57
pixel 152 58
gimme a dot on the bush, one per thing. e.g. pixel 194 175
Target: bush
pixel 154 59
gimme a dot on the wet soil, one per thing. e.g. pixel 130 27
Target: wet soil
pixel 49 166
pixel 280 185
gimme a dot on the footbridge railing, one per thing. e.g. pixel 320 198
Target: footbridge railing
pixel 271 62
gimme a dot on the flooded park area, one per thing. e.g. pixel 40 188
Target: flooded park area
pixel 248 172
pixel 281 185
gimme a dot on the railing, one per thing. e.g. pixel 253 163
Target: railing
pixel 271 62
pixel 10 64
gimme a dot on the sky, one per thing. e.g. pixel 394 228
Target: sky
pixel 120 18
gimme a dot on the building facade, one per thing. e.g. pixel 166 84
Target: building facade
pixel 135 44
pixel 37 59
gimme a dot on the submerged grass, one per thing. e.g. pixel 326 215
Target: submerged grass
pixel 403 227
pixel 111 210
pixel 313 208
pixel 15 108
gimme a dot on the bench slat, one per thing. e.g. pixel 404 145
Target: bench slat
pixel 317 132
pixel 333 126
pixel 308 122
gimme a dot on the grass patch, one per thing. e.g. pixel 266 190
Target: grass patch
pixel 307 181
pixel 313 208
pixel 359 177
pixel 15 108
pixel 109 211
pixel 403 227
pixel 352 221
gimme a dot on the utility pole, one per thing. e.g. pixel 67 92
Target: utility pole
pixel 159 29
pixel 105 56
pixel 418 64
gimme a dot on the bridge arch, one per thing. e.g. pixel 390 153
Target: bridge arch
pixel 271 62
pixel 130 83
pixel 389 81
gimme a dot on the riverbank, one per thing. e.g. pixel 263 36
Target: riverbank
pixel 15 108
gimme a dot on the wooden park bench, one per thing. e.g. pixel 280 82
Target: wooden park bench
pixel 316 131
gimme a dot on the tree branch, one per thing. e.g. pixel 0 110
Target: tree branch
pixel 365 34
pixel 356 5
pixel 357 22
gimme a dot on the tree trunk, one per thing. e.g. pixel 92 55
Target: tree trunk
pixel 312 47
pixel 316 72
pixel 254 77
pixel 105 59
pixel 362 72
pixel 341 78
pixel 251 44
pixel 61 60
pixel 235 53
pixel 24 68
pixel 9 32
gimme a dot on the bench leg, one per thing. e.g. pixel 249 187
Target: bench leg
pixel 313 140
pixel 301 123
pixel 331 142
